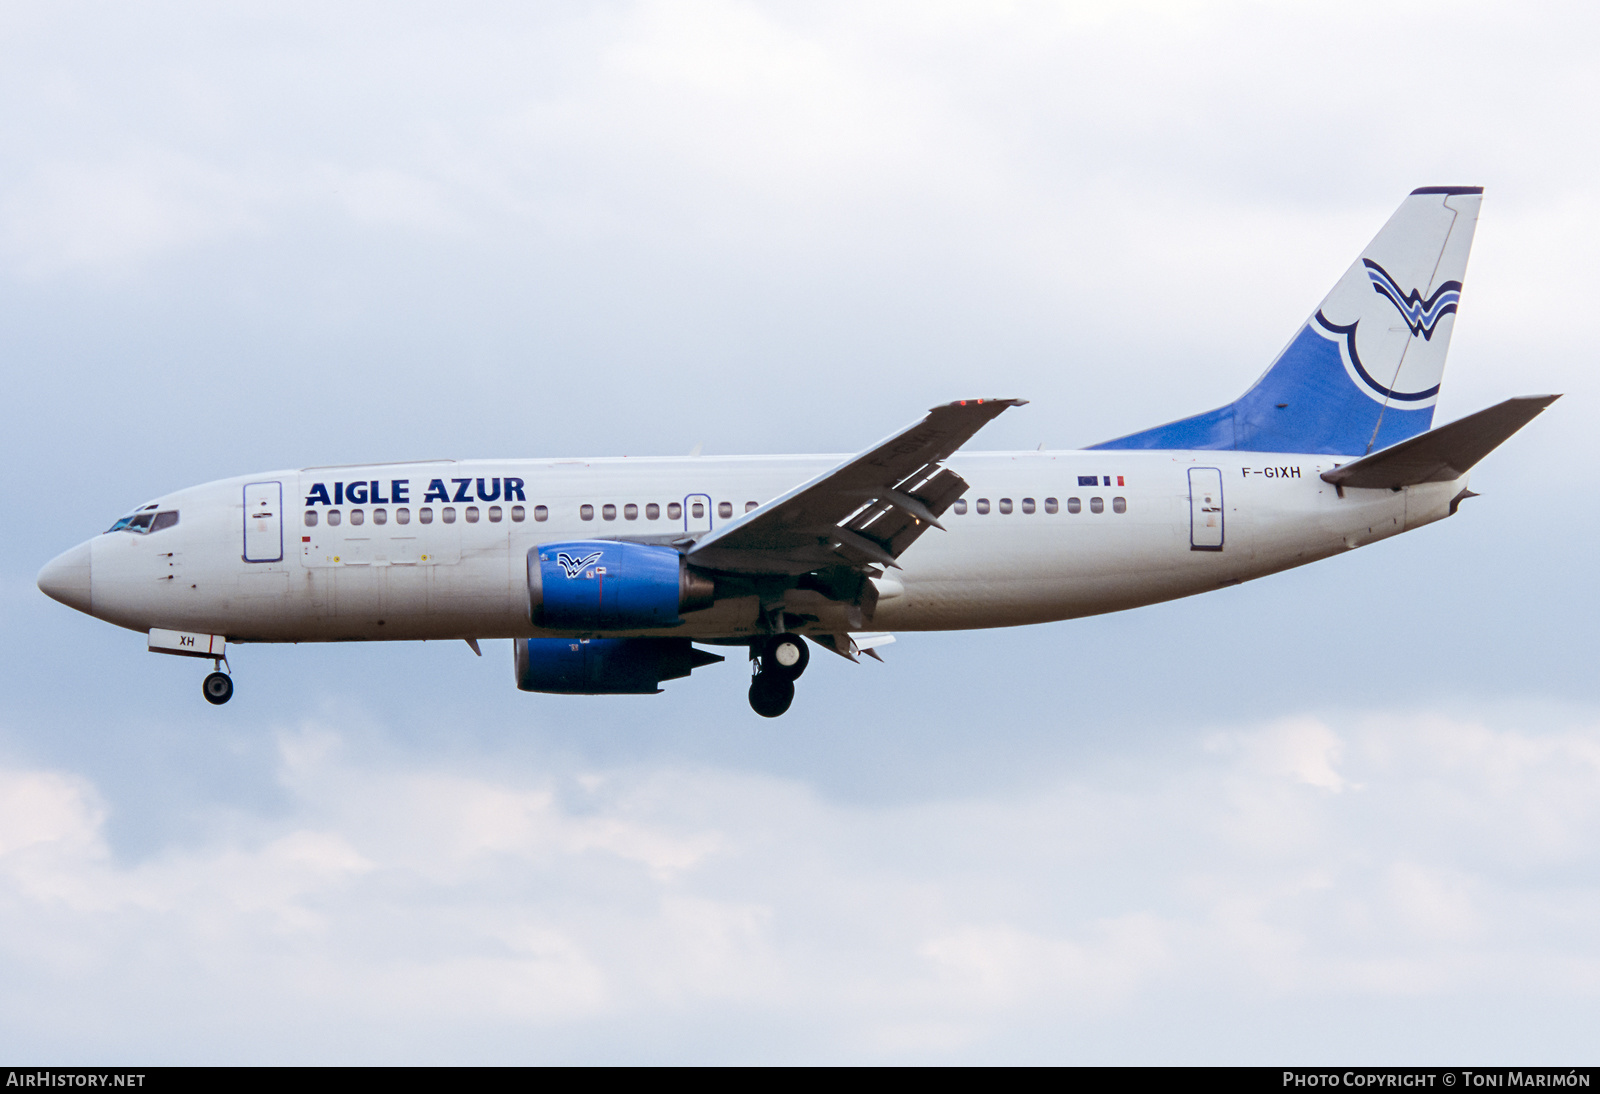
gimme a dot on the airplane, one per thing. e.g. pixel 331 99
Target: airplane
pixel 609 575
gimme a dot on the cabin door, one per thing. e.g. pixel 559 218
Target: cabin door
pixel 263 522
pixel 1205 509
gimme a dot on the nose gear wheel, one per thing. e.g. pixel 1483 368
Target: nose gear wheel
pixel 217 688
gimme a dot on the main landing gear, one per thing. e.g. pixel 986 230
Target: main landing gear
pixel 777 663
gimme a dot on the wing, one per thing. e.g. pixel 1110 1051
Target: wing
pixel 866 511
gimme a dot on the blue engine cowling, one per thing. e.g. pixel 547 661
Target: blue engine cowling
pixel 605 585
pixel 604 666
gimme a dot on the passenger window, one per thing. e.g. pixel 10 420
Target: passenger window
pixel 333 518
pixel 751 506
pixel 698 510
pixel 540 513
pixel 1119 505
pixel 425 515
pixel 1005 505
pixel 1097 505
pixel 960 507
pixel 165 520
pixel 518 513
pixel 983 506
pixel 674 510
pixel 358 516
pixel 724 509
pixel 1051 505
pixel 586 512
pixel 630 511
pixel 1074 505
pixel 402 516
pixel 609 512
pixel 494 514
pixel 380 516
pixel 472 514
pixel 448 514
pixel 1027 505
pixel 652 511
pixel 311 518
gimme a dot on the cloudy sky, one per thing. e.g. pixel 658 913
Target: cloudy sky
pixel 1346 813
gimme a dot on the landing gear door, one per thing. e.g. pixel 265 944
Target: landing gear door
pixel 1205 509
pixel 263 522
pixel 697 513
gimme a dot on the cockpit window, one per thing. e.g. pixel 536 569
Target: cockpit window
pixel 144 522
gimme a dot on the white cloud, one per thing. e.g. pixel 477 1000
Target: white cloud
pixel 560 907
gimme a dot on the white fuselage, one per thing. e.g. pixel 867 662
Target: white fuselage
pixel 463 574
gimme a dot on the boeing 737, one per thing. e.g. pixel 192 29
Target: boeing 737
pixel 611 574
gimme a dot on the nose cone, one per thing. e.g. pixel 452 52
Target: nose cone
pixel 66 578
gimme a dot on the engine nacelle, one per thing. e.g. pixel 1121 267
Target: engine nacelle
pixel 604 666
pixel 604 585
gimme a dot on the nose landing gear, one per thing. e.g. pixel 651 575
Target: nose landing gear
pixel 218 686
pixel 777 663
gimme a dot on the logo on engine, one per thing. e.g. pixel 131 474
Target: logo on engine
pixel 1422 316
pixel 574 567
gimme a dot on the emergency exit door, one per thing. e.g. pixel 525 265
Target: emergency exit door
pixel 1205 509
pixel 697 513
pixel 263 522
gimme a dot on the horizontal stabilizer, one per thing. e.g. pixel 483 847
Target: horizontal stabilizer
pixel 1442 454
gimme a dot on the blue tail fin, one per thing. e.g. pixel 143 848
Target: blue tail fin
pixel 1363 372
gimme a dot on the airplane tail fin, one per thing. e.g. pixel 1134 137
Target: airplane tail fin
pixel 1363 372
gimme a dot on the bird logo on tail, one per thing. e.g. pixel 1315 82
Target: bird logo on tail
pixel 1422 316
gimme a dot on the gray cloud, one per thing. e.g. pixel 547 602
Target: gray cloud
pixel 444 910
